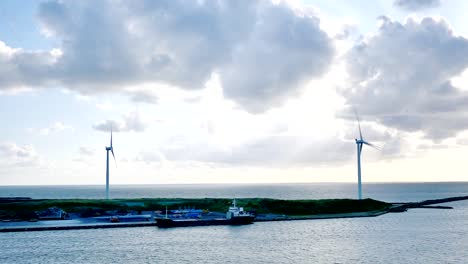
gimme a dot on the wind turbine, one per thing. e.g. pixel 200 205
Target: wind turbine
pixel 111 149
pixel 359 143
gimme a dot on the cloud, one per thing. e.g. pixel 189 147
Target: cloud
pixel 13 155
pixel 263 51
pixel 283 52
pixel 87 151
pixel 193 100
pixel 426 147
pixel 130 122
pixel 281 151
pixel 347 32
pixel 400 77
pixel 416 5
pixel 54 128
pixel 143 97
pixel 395 147
pixel 150 157
pixel 105 105
pixel 370 133
pixel 388 143
pixel 85 155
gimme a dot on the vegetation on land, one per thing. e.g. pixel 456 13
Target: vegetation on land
pixel 88 207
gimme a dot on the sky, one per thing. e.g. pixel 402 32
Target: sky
pixel 248 91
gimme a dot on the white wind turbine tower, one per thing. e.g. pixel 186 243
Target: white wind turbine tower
pixel 359 143
pixel 111 149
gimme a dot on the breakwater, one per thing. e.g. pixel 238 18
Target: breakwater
pixel 428 204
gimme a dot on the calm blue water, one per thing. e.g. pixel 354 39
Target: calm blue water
pixel 390 192
pixel 418 236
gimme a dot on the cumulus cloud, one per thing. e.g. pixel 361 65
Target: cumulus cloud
pixel 282 53
pixel 54 128
pixel 20 68
pixel 149 157
pixel 87 151
pixel 13 155
pixel 400 77
pixel 143 97
pixel 263 51
pixel 425 147
pixel 369 132
pixel 389 143
pixel 462 141
pixel 416 5
pixel 130 122
pixel 85 155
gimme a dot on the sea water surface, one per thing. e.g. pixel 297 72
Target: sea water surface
pixel 417 236
pixel 389 192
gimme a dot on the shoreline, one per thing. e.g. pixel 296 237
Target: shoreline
pixel 74 227
pixel 32 228
pixel 87 223
pixel 325 216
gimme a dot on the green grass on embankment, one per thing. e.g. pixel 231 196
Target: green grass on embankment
pixel 24 209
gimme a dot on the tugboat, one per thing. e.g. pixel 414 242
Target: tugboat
pixel 237 216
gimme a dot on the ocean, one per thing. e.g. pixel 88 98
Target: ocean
pixel 389 192
pixel 417 236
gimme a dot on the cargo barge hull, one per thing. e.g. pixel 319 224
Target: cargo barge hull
pixel 165 222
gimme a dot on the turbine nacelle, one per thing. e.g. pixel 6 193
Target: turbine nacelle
pixel 361 141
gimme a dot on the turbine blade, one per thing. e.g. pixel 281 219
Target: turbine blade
pixel 359 123
pixel 112 151
pixel 360 133
pixel 111 139
pixel 371 145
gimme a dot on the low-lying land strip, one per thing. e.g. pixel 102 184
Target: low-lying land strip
pixel 28 214
pixel 25 214
pixel 27 209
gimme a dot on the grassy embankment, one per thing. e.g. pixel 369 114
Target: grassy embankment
pixel 89 207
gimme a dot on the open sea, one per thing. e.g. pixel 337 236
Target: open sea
pixel 417 236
